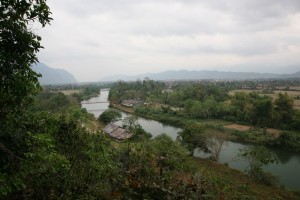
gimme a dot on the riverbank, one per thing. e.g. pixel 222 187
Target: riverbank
pixel 286 140
pixel 227 175
pixel 286 171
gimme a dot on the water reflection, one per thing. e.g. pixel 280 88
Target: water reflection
pixel 287 170
pixel 154 127
pixel 283 156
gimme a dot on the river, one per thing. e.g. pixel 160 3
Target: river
pixel 287 170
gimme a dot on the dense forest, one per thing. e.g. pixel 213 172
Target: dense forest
pixel 51 148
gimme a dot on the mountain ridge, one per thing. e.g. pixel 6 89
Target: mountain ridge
pixel 53 76
pixel 203 75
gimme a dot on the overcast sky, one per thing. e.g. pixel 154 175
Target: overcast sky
pixel 94 39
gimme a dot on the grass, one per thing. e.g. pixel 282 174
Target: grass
pixel 243 184
pixel 92 125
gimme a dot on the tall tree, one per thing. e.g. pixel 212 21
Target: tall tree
pixel 257 157
pixel 18 83
pixel 214 143
pixel 18 48
pixel 284 106
pixel 110 115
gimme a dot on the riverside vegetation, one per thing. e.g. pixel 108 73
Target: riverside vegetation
pixel 209 106
pixel 47 150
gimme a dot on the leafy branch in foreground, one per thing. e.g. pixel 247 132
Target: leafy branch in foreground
pixel 258 157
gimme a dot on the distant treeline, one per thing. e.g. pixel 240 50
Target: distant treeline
pixel 211 100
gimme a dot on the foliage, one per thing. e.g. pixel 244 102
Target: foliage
pixel 257 157
pixel 151 168
pixel 284 106
pixel 31 154
pixel 130 122
pixel 207 100
pixel 18 48
pixel 18 84
pixel 45 153
pixel 139 134
pixel 88 92
pixel 241 107
pixel 214 142
pixel 289 140
pixel 110 115
pixel 193 137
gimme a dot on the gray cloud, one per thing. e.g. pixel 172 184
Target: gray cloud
pixel 93 38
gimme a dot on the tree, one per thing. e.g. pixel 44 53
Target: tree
pixel 58 102
pixel 18 48
pixel 110 115
pixel 193 137
pixel 169 154
pixel 208 106
pixel 18 83
pixel 264 111
pixel 257 157
pixel 284 106
pixel 130 122
pixel 214 143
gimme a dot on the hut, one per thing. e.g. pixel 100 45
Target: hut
pixel 132 102
pixel 117 132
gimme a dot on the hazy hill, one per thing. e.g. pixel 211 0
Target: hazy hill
pixel 202 75
pixel 53 76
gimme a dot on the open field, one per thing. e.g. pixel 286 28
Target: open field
pixel 70 92
pixel 275 133
pixel 293 94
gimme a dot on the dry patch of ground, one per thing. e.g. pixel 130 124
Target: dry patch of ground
pixel 238 127
pixel 70 92
pixel 274 132
pixel 297 104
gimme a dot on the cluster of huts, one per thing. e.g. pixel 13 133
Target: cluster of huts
pixel 117 132
pixel 132 102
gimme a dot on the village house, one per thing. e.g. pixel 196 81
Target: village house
pixel 117 132
pixel 132 102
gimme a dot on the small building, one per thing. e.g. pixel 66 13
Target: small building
pixel 117 132
pixel 132 102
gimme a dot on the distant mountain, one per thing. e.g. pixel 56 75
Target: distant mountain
pixel 53 76
pixel 204 75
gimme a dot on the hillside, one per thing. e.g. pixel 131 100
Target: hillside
pixel 53 76
pixel 204 75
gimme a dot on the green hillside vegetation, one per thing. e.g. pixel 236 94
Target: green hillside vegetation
pixel 48 150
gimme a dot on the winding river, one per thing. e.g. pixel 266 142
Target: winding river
pixel 287 170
